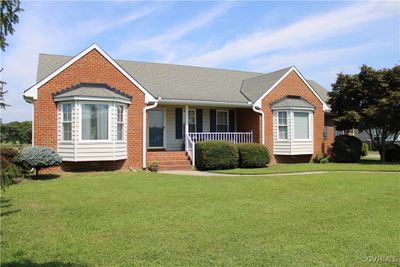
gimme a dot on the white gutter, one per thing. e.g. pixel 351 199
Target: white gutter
pixel 204 103
pixel 262 123
pixel 145 109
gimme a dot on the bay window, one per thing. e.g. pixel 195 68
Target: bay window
pixel 301 125
pixel 222 121
pixel 66 122
pixel 282 125
pixel 94 122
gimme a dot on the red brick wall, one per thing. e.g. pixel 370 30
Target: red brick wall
pixel 293 85
pixel 327 144
pixel 248 120
pixel 92 68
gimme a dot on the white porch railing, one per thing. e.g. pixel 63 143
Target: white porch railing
pixel 234 137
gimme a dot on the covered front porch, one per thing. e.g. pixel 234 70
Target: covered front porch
pixel 179 127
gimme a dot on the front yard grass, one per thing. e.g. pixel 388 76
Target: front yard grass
pixel 146 219
pixel 369 164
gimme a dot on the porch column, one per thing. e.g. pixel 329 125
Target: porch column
pixel 186 125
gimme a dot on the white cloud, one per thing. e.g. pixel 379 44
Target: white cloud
pixel 40 32
pixel 308 31
pixel 162 43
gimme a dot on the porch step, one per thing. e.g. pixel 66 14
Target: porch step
pixel 170 160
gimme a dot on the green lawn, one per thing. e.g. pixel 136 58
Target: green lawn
pixel 142 219
pixel 369 164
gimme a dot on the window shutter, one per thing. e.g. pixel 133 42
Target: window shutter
pixel 231 120
pixel 213 120
pixel 178 123
pixel 199 120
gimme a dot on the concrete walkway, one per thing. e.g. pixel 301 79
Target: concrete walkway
pixel 201 173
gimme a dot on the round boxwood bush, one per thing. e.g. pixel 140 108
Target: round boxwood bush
pixel 216 155
pixel 39 158
pixel 346 149
pixel 252 155
pixel 392 153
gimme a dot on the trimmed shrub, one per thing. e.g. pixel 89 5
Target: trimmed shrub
pixel 392 153
pixel 319 158
pixel 216 155
pixel 39 158
pixel 364 150
pixel 346 149
pixel 252 155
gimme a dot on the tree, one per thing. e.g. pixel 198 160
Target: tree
pixel 16 132
pixel 39 158
pixel 369 101
pixel 8 17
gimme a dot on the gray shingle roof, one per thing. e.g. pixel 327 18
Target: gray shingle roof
pixel 253 88
pixel 170 81
pixel 93 90
pixel 291 102
pixel 319 89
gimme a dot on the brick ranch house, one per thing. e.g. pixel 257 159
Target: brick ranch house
pixel 106 114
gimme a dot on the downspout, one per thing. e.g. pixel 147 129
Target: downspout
pixel 145 109
pixel 262 123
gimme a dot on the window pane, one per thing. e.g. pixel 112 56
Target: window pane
pixel 66 109
pixel 282 118
pixel 120 114
pixel 222 118
pixel 283 134
pixel 301 125
pixel 120 131
pixel 222 128
pixel 94 122
pixel 67 132
pixel 192 128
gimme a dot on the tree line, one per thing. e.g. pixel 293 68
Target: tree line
pixel 16 132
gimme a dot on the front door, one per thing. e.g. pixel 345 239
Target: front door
pixel 156 128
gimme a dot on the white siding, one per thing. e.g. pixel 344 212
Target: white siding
pixel 293 146
pixel 81 150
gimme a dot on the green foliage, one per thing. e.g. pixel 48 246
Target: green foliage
pixel 318 158
pixel 216 155
pixel 368 101
pixel 252 155
pixel 39 158
pixel 364 150
pixel 346 149
pixel 9 170
pixel 9 17
pixel 154 166
pixel 393 153
pixel 16 132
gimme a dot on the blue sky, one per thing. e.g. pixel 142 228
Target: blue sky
pixel 320 38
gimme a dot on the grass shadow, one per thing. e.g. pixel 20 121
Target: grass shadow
pixel 25 263
pixel 5 203
pixel 43 177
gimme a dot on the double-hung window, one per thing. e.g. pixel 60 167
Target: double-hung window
pixel 282 125
pixel 66 122
pixel 192 120
pixel 301 125
pixel 120 123
pixel 94 122
pixel 222 120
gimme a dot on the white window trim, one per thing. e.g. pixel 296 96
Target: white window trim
pixel 118 123
pixel 309 124
pixel 82 141
pixel 227 120
pixel 278 125
pixel 62 122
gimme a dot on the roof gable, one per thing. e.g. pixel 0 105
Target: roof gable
pixel 31 93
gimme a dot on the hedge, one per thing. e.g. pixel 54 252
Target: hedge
pixel 216 155
pixel 252 155
pixel 392 153
pixel 346 149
